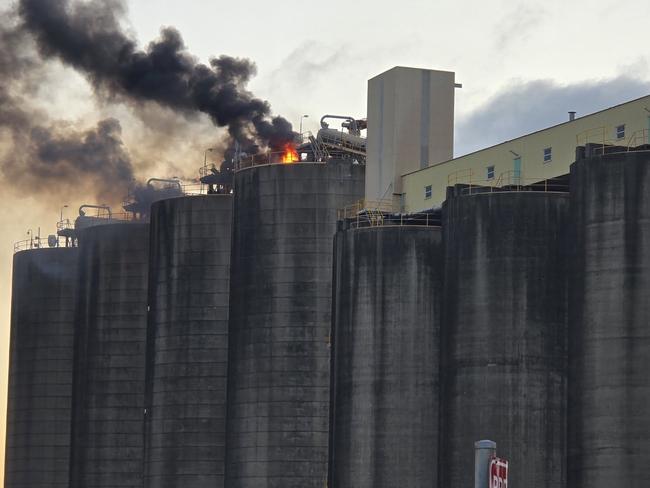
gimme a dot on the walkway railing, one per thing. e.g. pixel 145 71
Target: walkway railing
pixel 42 243
pixel 510 181
pixel 367 213
pixel 604 144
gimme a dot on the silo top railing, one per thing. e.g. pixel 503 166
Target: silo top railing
pixel 368 213
pixel 512 181
pixel 598 138
pixel 42 243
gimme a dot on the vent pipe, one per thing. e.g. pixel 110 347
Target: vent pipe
pixel 572 116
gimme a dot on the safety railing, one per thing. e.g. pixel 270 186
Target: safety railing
pixel 594 135
pixel 367 213
pixel 194 188
pixel 600 142
pixel 366 219
pixel 512 181
pixel 121 216
pixel 42 243
pixel 271 157
pixel 638 138
pixel 465 176
pixel 375 206
pixel 64 226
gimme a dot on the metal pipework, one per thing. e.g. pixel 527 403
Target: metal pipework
pixel 162 180
pixel 352 126
pixel 104 207
pixel 484 451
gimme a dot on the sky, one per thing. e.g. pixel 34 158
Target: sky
pixel 523 66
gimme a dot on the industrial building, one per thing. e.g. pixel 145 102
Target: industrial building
pixel 349 312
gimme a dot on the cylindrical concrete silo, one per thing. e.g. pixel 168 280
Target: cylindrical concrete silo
pixel 280 306
pixel 386 355
pixel 504 335
pixel 609 338
pixel 188 342
pixel 40 368
pixel 111 323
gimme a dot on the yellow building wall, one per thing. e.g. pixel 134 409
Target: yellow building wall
pixel 563 139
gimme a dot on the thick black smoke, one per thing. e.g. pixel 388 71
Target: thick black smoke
pixel 88 37
pixel 47 157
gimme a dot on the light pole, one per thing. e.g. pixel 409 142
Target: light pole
pixel 205 160
pixel 302 117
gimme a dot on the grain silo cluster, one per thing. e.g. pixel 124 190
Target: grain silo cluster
pixel 289 333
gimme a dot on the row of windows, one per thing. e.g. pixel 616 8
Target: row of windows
pixel 547 157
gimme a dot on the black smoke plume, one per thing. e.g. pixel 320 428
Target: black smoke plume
pixel 88 36
pixel 49 157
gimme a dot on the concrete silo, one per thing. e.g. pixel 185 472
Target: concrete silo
pixel 280 305
pixel 504 334
pixel 111 322
pixel 609 339
pixel 188 341
pixel 385 373
pixel 40 368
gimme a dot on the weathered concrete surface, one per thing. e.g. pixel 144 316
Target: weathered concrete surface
pixel 40 368
pixel 386 357
pixel 609 343
pixel 188 342
pixel 504 335
pixel 108 395
pixel 280 305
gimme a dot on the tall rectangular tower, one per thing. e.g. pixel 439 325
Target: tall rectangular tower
pixel 410 126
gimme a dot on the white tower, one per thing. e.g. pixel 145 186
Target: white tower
pixel 410 126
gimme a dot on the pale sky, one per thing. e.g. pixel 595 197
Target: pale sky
pixel 523 65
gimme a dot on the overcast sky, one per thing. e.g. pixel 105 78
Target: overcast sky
pixel 523 65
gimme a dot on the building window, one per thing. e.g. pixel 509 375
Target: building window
pixel 427 192
pixel 620 131
pixel 490 172
pixel 548 154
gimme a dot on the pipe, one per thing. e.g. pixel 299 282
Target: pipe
pixel 104 207
pixel 162 180
pixel 353 122
pixel 484 451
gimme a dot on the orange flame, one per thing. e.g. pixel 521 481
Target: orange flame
pixel 290 155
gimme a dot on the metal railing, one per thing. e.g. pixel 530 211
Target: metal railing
pixel 271 157
pixel 638 138
pixel 42 243
pixel 121 216
pixel 64 225
pixel 512 181
pixel 460 176
pixel 598 137
pixel 375 206
pixel 368 213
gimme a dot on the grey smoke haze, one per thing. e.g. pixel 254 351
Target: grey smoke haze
pixel 46 156
pixel 530 106
pixel 88 36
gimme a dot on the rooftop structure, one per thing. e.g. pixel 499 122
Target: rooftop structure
pixel 531 158
pixel 410 126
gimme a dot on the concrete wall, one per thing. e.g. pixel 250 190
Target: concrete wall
pixel 410 126
pixel 188 342
pixel 385 384
pixel 562 138
pixel 111 324
pixel 609 385
pixel 504 335
pixel 40 369
pixel 280 306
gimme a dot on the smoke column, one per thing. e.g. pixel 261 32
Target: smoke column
pixel 47 157
pixel 88 37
